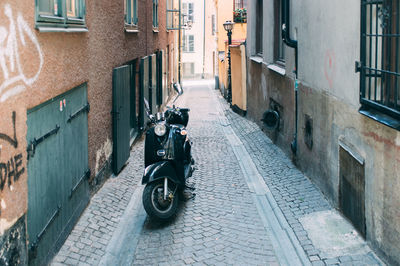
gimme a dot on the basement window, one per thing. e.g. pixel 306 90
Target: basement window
pixel 380 61
pixel 60 15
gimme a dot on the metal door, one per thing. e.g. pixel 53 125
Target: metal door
pixel 144 89
pixel 160 78
pixel 120 116
pixel 153 83
pixel 58 171
pixel 133 114
pixel 166 73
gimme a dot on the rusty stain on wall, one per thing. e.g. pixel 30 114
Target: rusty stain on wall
pixel 386 141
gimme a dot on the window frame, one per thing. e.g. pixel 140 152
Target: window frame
pixel 58 18
pixel 376 66
pixel 131 20
pixel 155 14
pixel 242 3
pixel 279 45
pixel 186 11
pixel 259 28
pixel 187 45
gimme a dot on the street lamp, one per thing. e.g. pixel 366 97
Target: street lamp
pixel 228 26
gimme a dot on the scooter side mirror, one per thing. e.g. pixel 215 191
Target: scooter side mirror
pixel 178 88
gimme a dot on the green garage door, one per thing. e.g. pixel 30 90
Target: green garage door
pixel 58 171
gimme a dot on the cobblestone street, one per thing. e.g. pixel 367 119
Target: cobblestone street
pixel 252 206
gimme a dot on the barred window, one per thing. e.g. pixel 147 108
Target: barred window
pixel 380 59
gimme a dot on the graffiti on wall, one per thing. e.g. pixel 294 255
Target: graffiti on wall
pixel 14 37
pixel 12 169
pixel 330 67
pixel 12 140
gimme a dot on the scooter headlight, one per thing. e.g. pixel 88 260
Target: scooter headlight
pixel 160 130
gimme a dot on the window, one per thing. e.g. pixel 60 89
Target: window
pixel 62 14
pixel 279 46
pixel 188 43
pixel 213 28
pixel 187 10
pixel 259 27
pixel 188 69
pixel 173 15
pixel 240 4
pixel 155 13
pixel 131 18
pixel 240 11
pixel 380 60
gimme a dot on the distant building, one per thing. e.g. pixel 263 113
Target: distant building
pixel 199 40
pixel 73 75
pixel 343 128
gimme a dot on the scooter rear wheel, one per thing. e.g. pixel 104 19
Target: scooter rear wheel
pixel 154 203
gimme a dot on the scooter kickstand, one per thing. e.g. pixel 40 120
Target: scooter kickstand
pixel 190 188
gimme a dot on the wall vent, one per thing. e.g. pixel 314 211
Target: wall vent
pixel 352 187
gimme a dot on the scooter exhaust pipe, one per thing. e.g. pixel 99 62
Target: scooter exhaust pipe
pixel 165 188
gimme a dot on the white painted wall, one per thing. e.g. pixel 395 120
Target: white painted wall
pixel 198 31
pixel 328 35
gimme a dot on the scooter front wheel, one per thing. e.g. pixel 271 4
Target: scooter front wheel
pixel 155 204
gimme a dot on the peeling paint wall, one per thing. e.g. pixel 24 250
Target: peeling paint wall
pixel 328 45
pixel 102 155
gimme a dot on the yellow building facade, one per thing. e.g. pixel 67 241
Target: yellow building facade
pixel 228 11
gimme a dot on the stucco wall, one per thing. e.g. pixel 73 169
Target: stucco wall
pixel 35 67
pixel 203 38
pixel 328 45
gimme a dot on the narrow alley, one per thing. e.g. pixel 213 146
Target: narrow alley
pixel 249 206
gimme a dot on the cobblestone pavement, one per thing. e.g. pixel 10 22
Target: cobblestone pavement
pixel 88 241
pixel 294 193
pixel 221 224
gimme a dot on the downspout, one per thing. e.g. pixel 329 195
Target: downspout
pixel 179 44
pixel 204 38
pixel 293 44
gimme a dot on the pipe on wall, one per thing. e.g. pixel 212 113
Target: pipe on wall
pixel 291 43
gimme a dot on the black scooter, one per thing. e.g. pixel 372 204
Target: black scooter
pixel 168 160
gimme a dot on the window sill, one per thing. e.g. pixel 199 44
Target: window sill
pixel 380 117
pixel 257 59
pixel 155 30
pixel 131 29
pixel 58 29
pixel 277 69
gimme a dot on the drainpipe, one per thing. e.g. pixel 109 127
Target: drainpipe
pixel 179 45
pixel 204 38
pixel 293 44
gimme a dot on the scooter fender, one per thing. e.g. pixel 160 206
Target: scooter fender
pixel 160 170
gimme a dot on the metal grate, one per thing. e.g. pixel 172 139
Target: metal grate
pixel 380 62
